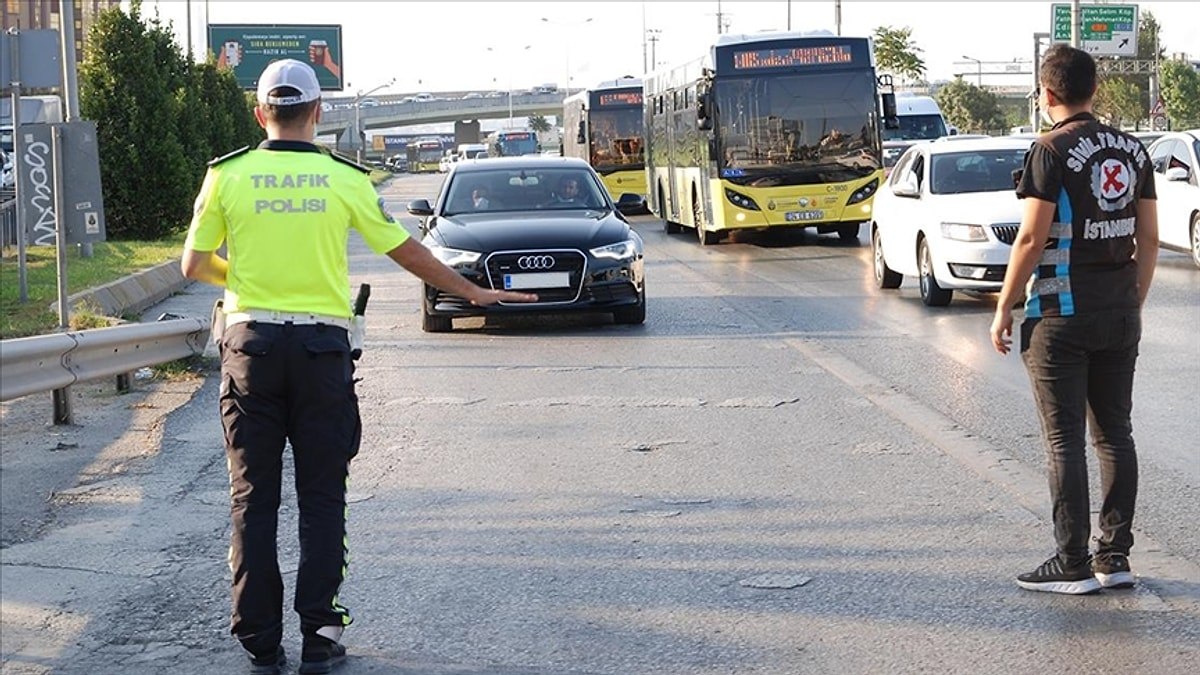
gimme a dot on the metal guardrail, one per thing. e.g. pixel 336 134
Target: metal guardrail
pixel 47 362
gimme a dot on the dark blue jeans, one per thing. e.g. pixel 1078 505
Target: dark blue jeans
pixel 1081 368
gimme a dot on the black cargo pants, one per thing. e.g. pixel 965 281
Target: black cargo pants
pixel 1081 369
pixel 284 382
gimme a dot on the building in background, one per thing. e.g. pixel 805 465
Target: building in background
pixel 35 14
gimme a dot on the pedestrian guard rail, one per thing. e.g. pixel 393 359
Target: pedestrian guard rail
pixel 47 362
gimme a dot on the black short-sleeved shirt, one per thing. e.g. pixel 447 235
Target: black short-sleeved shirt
pixel 1095 175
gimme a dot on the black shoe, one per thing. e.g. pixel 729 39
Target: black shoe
pixel 1112 570
pixel 320 655
pixel 1053 577
pixel 268 665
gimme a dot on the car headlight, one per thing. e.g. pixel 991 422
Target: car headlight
pixel 623 250
pixel 963 232
pixel 740 200
pixel 454 257
pixel 863 193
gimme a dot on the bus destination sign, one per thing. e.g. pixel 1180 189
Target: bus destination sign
pixel 791 57
pixel 517 135
pixel 621 98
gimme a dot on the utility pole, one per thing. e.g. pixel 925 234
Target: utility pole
pixel 653 40
pixel 191 56
pixel 789 23
pixel 1076 21
pixel 644 45
pixel 70 89
pixel 837 15
pixel 720 18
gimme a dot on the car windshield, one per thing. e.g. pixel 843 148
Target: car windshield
pixel 974 171
pixel 916 127
pixel 528 189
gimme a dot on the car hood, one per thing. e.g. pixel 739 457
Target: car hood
pixel 523 231
pixel 978 207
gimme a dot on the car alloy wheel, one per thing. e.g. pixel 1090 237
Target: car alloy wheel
pixel 885 277
pixel 932 294
pixel 1196 239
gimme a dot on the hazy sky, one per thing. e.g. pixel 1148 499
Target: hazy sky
pixel 433 46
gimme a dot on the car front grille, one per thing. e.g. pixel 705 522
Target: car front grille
pixel 573 262
pixel 1006 232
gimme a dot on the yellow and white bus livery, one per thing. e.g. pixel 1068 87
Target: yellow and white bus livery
pixel 603 126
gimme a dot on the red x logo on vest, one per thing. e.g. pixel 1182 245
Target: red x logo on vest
pixel 1116 178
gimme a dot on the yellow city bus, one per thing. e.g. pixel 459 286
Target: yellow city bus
pixel 513 143
pixel 772 130
pixel 603 126
pixel 424 156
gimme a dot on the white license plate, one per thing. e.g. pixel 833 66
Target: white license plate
pixel 804 215
pixel 517 282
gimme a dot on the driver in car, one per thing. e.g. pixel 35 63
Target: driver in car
pixel 568 193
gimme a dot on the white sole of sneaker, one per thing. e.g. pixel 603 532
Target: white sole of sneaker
pixel 1082 587
pixel 1115 580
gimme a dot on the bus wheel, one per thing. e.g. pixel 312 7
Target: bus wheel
pixel 706 238
pixel 849 233
pixel 668 226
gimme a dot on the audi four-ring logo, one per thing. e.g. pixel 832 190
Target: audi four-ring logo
pixel 535 262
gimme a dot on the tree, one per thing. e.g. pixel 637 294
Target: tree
pixel 1118 99
pixel 1181 94
pixel 896 53
pixel 970 108
pixel 127 84
pixel 159 119
pixel 539 123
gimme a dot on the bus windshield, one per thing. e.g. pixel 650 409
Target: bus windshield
pixel 917 128
pixel 797 129
pixel 616 138
pixel 517 144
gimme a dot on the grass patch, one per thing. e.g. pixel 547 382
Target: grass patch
pixel 186 368
pixel 378 176
pixel 111 261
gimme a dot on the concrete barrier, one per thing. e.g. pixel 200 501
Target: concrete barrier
pixel 134 293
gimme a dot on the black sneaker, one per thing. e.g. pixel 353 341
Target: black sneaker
pixel 268 665
pixel 1112 570
pixel 321 655
pixel 1053 577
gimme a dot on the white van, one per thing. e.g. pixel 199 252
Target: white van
pixel 920 120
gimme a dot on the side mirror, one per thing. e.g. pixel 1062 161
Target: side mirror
pixel 582 136
pixel 891 118
pixel 907 188
pixel 420 207
pixel 704 111
pixel 1177 174
pixel 629 203
pixel 952 130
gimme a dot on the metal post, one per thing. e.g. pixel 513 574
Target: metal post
pixel 1035 118
pixel 789 21
pixel 22 280
pixel 644 44
pixel 71 81
pixel 358 128
pixel 191 57
pixel 837 15
pixel 62 397
pixel 1076 25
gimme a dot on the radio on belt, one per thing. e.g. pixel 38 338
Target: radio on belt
pixel 358 323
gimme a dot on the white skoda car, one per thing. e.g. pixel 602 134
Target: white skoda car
pixel 1176 158
pixel 948 216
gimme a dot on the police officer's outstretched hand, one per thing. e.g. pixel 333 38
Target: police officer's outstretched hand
pixel 414 257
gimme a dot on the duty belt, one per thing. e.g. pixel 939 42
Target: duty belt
pixel 271 316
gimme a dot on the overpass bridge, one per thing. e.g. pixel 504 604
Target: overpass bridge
pixel 465 113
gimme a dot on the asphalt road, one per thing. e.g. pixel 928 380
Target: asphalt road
pixel 784 470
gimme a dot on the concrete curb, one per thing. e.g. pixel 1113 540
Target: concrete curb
pixel 134 293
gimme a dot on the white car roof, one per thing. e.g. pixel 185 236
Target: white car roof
pixel 947 145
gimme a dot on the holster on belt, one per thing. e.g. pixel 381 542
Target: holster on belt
pixel 358 332
pixel 217 322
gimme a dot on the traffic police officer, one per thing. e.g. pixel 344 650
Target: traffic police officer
pixel 284 211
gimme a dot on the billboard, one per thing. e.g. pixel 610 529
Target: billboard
pixel 249 48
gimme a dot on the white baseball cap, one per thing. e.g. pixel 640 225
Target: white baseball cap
pixel 290 73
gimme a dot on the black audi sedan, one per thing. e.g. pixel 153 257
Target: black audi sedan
pixel 540 224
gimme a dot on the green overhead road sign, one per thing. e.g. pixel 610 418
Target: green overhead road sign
pixel 248 49
pixel 1107 30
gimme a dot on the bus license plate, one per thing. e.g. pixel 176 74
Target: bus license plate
pixel 518 282
pixel 804 215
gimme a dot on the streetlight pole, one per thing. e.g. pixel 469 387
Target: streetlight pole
pixel 979 65
pixel 567 43
pixel 510 86
pixel 358 130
